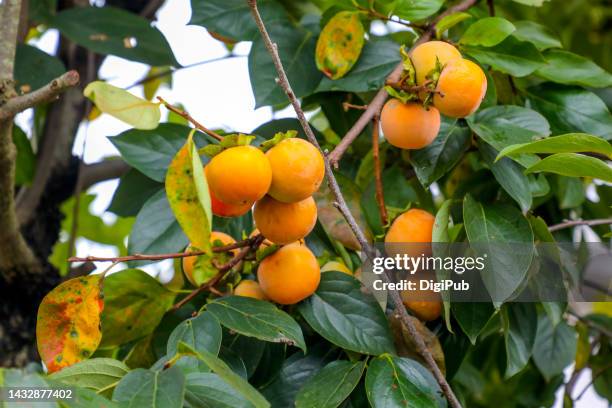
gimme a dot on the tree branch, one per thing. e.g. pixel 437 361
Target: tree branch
pixel 375 106
pixel 47 93
pixel 254 243
pixel 574 223
pixel 190 119
pixel 161 257
pixel 102 171
pixel 15 251
pixel 380 198
pixel 341 203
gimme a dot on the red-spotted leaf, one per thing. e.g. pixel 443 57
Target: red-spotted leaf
pixel 68 324
pixel 188 195
pixel 340 44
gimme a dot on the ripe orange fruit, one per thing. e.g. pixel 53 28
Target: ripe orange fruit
pixel 250 288
pixel 462 86
pixel 297 170
pixel 239 175
pixel 424 56
pixel 411 232
pixel 221 209
pixel 189 262
pixel 283 223
pixel 289 275
pixel 409 125
pixel 426 310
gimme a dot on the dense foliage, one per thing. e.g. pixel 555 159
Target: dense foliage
pixel 536 153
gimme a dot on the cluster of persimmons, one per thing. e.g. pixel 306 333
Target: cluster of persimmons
pixel 278 185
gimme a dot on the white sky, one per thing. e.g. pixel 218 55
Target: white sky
pixel 217 94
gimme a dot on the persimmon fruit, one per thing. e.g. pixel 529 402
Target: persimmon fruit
pixel 410 233
pixel 461 87
pixel 221 209
pixel 250 288
pixel 297 170
pixel 239 175
pixel 290 274
pixel 283 223
pixel 424 58
pixel 409 125
pixel 188 263
pixel 426 310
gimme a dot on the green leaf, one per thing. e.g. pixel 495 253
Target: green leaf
pixel 132 193
pixel 278 137
pixel 339 44
pixel 440 234
pixel 492 230
pixel 540 36
pixel 571 109
pixel 569 143
pixel 472 317
pixel 520 322
pixel 151 389
pixel 135 111
pixel 573 165
pixel 152 151
pixel 330 386
pixel 257 318
pixel 25 162
pixel 98 374
pixel 109 30
pixel 396 382
pixel 487 32
pixel 296 48
pixel 378 58
pixel 554 348
pixel 20 378
pixel 134 304
pixel 409 9
pixel 202 332
pixel 510 176
pixel 331 312
pixel 226 374
pixel 294 372
pixel 209 390
pixel 85 398
pixel 34 68
pixel 511 56
pixel 502 126
pixel 447 22
pixel 534 3
pixel 569 68
pixel 156 231
pixel 233 18
pixel 435 160
pixel 188 195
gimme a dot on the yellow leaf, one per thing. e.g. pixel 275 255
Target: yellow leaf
pixel 151 86
pixel 68 323
pixel 188 195
pixel 340 44
pixel 124 106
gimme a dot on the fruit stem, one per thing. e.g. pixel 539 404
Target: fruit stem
pixel 190 119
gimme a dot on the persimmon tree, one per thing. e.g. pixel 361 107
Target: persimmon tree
pixel 460 122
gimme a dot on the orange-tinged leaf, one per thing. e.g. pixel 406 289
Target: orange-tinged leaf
pixel 340 44
pixel 188 195
pixel 68 323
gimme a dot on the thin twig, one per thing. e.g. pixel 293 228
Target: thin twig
pixel 341 203
pixel 347 105
pixel 254 243
pixel 491 6
pixel 380 198
pixel 573 223
pixel 188 117
pixel 171 71
pixel 161 257
pixel 47 93
pixel 594 376
pixel 375 106
pixel 591 324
